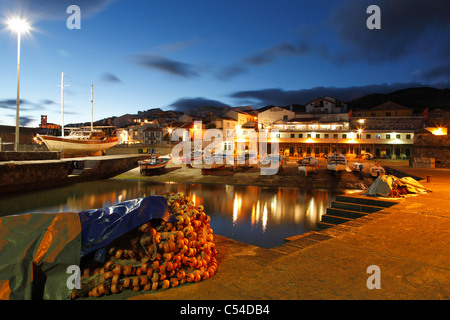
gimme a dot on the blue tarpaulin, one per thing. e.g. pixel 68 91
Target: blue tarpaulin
pixel 37 248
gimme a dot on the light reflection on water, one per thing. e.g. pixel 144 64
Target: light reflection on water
pixel 253 215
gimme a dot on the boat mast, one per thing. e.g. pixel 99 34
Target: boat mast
pixel 92 107
pixel 62 104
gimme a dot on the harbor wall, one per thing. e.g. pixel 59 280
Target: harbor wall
pixel 31 175
pixel 17 176
pixel 24 156
pixel 432 146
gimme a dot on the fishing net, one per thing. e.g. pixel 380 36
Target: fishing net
pixel 157 255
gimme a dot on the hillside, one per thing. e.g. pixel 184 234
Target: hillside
pixel 417 98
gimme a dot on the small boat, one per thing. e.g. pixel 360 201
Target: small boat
pixel 336 162
pixel 308 164
pixel 194 157
pixel 367 156
pixel 268 160
pixel 377 170
pixel 152 164
pixel 357 167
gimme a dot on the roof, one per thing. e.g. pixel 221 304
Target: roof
pixel 389 105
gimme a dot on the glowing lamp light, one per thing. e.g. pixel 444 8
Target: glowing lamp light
pixel 440 131
pixel 18 25
pixel 309 140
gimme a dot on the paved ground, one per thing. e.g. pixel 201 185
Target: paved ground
pixel 409 242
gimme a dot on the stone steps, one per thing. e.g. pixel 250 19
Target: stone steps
pixel 347 208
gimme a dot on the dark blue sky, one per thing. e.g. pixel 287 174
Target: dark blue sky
pixel 176 53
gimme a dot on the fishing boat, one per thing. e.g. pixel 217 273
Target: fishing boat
pixel 308 164
pixel 268 160
pixel 336 162
pixel 152 164
pixel 83 141
pixel 377 170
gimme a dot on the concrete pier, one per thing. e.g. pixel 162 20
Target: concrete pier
pixel 18 176
pixel 408 241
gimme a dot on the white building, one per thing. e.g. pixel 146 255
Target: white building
pixel 326 105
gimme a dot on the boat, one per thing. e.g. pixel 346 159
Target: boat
pixel 377 170
pixel 308 164
pixel 268 160
pixel 336 162
pixel 357 167
pixel 152 164
pixel 81 142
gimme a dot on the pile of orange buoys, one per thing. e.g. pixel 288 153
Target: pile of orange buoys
pixel 157 255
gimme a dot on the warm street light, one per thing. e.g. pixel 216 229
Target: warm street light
pixel 19 26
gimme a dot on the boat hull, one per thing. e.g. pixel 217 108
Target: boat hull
pixel 336 167
pixel 72 147
pixel 307 169
pixel 377 171
pixel 146 167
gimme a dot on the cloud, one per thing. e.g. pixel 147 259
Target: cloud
pixel 111 78
pixel 184 104
pixel 269 55
pixel 407 27
pixel 231 71
pixel 441 72
pixel 166 65
pixel 286 97
pixel 180 45
pixel 24 120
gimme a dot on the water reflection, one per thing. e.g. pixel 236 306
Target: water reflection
pixel 254 215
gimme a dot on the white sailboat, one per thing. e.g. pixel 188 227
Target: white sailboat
pixel 336 162
pixel 83 141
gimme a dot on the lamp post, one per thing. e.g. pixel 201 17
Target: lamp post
pixel 20 26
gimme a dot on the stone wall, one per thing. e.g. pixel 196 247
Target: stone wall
pixel 431 146
pixel 32 175
pixel 25 156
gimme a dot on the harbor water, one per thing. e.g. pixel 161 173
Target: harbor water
pixel 254 215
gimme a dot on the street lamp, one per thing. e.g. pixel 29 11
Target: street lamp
pixel 170 136
pixel 20 26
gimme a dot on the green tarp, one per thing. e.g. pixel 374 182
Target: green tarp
pixel 35 251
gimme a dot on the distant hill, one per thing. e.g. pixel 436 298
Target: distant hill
pixel 417 98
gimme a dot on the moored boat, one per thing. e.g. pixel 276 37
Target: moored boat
pixel 81 142
pixel 308 164
pixel 152 164
pixel 336 162
pixel 377 170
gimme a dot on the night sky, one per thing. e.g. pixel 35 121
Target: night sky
pixel 178 54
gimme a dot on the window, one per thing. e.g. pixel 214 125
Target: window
pixel 335 136
pixel 378 136
pixel 308 135
pixel 399 136
pixel 317 136
pixel 327 135
pixel 277 135
pixel 344 136
pixel 285 117
pixel 408 136
pixel 388 114
pixel 292 135
pixel 368 136
pixel 388 136
pixel 300 135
